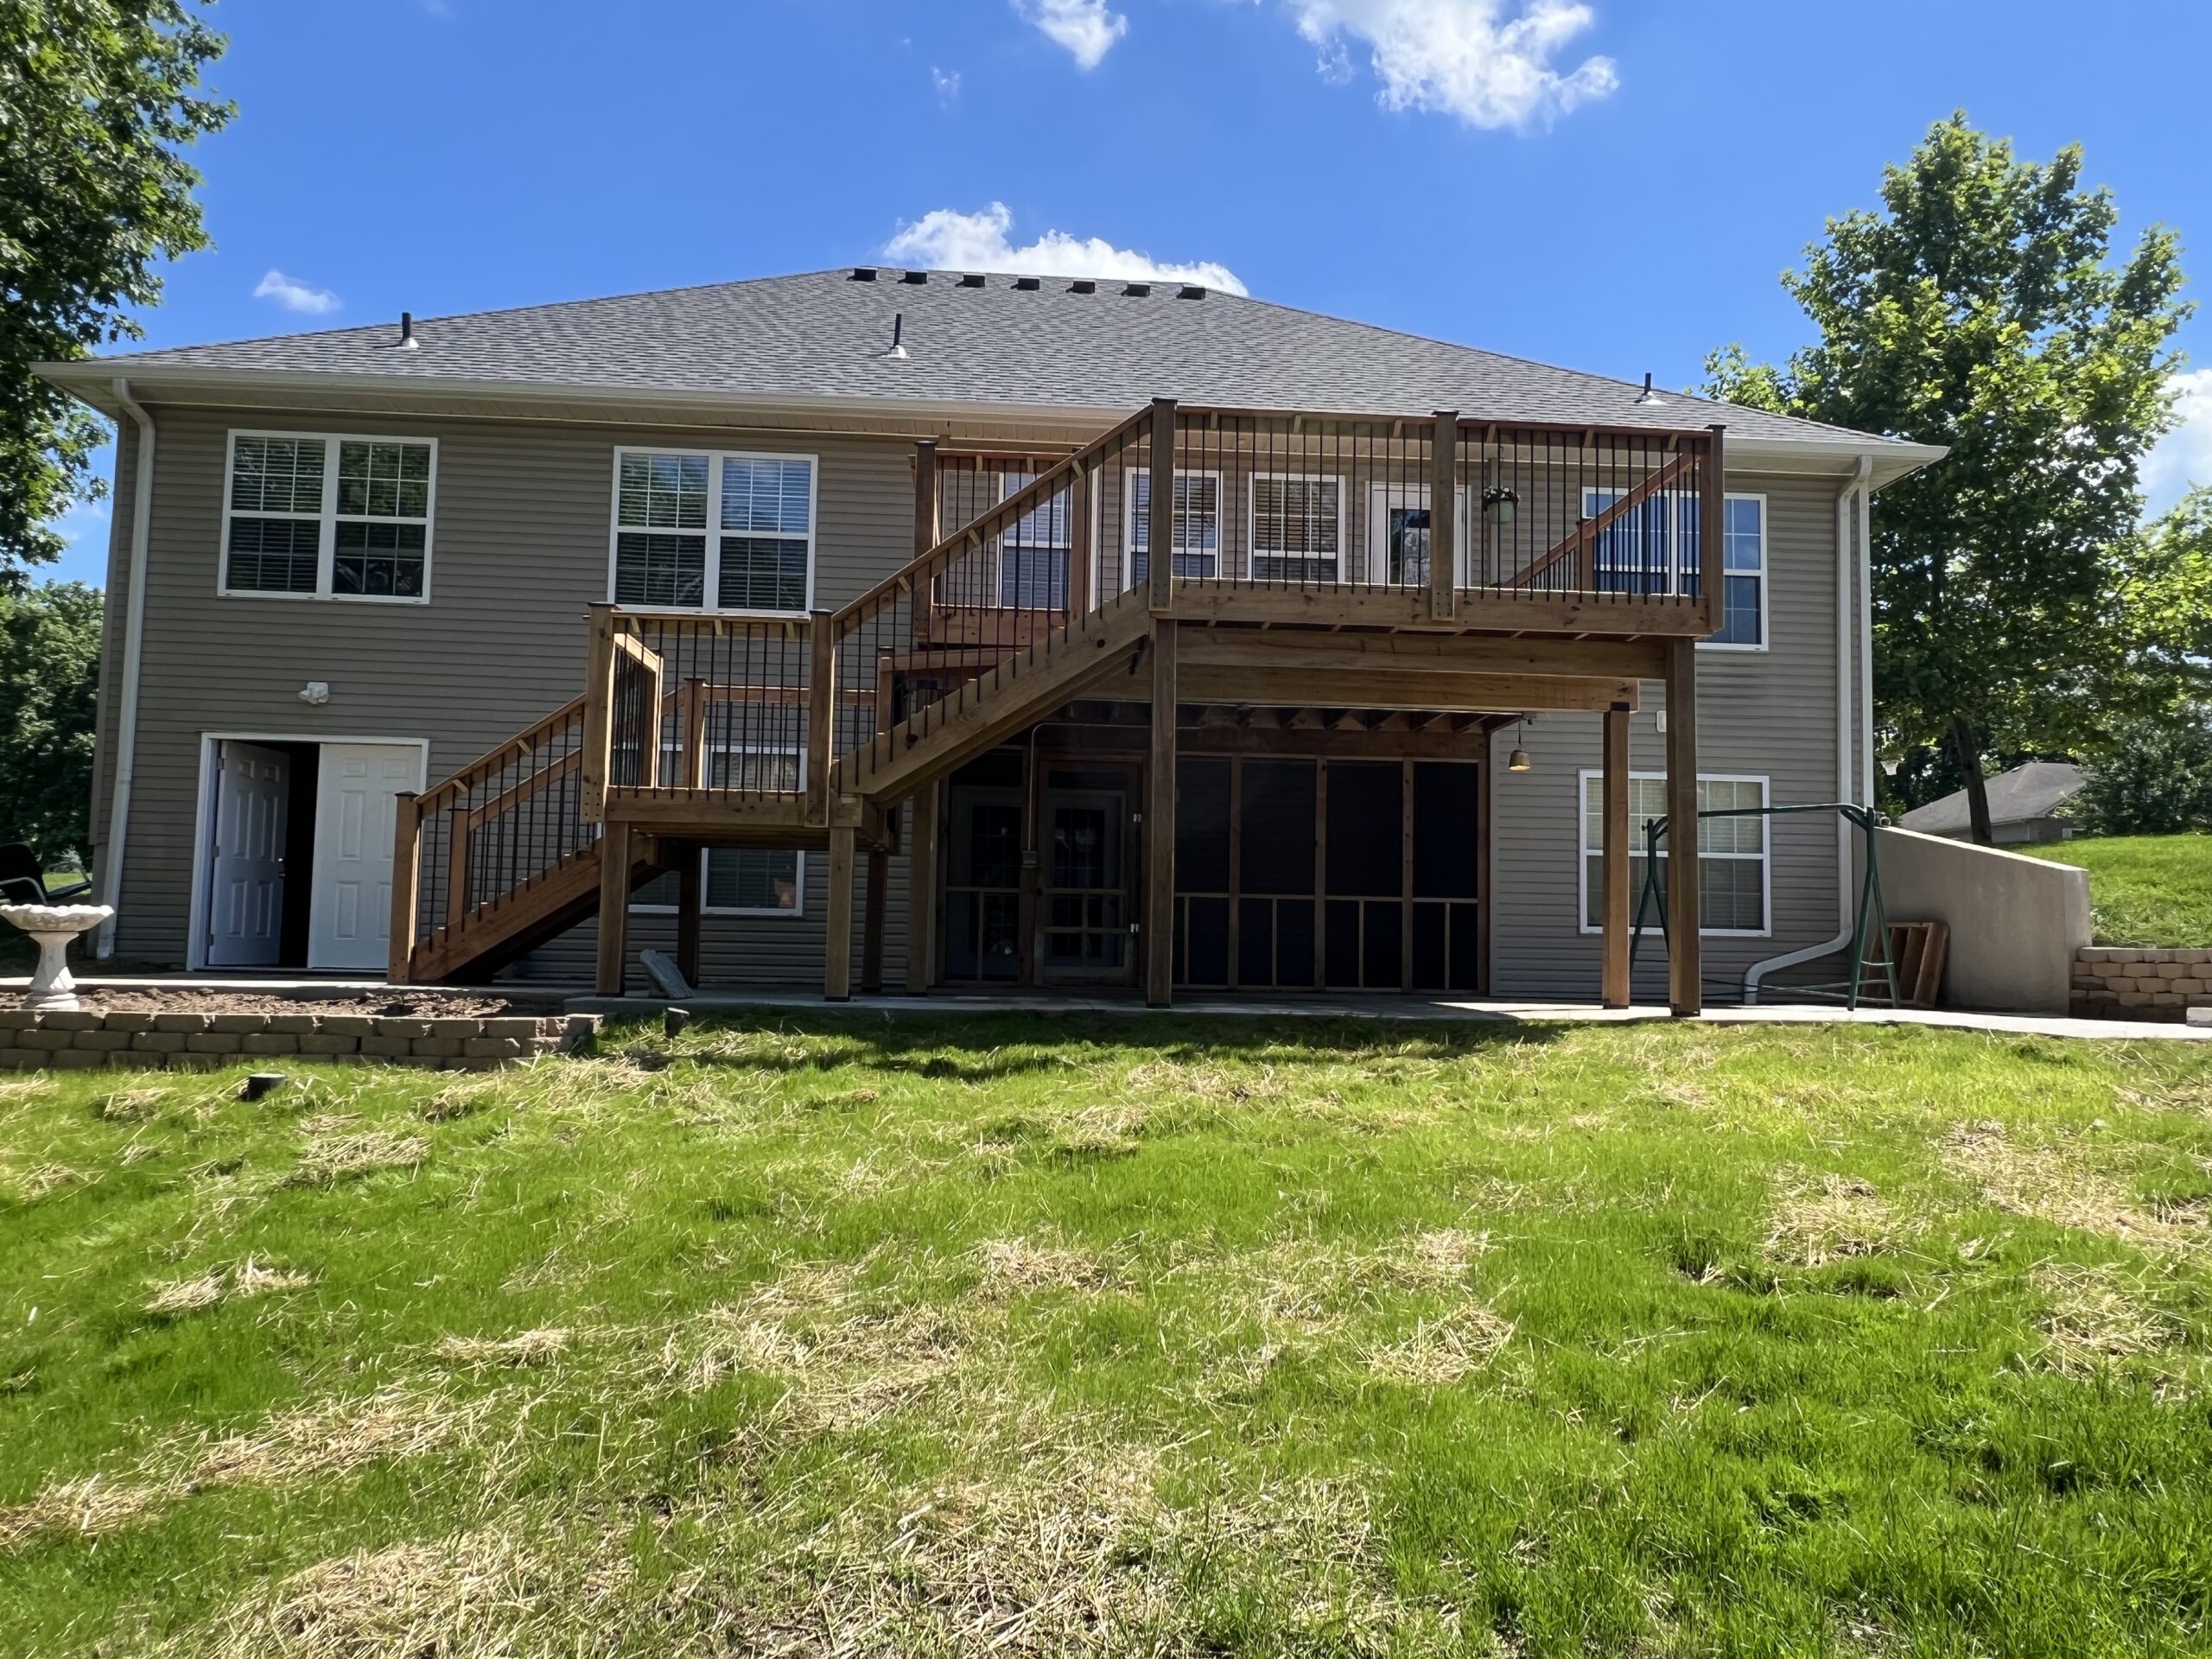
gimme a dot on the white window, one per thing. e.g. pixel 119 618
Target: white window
pixel 329 518
pixel 1732 853
pixel 1197 549
pixel 713 532
pixel 741 880
pixel 1653 548
pixel 1297 527
pixel 1033 552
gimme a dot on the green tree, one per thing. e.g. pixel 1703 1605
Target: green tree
pixel 97 100
pixel 49 695
pixel 2154 779
pixel 1982 308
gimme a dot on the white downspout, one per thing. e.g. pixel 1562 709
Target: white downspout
pixel 1848 639
pixel 134 632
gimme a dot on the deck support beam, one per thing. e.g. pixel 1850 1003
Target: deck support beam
pixel 1160 820
pixel 879 890
pixel 406 876
pixel 688 898
pixel 837 940
pixel 1685 987
pixel 614 852
pixel 1616 988
pixel 921 889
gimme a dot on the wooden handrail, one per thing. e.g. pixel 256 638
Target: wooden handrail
pixel 492 759
pixel 507 799
pixel 1586 531
pixel 1015 508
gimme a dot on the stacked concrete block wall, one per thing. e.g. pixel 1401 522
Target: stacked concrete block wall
pixel 2129 983
pixel 204 1042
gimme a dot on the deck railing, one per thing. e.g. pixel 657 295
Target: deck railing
pixel 484 836
pixel 1271 515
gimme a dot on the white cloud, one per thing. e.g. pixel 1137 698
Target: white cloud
pixel 1463 57
pixel 1085 27
pixel 295 295
pixel 947 82
pixel 2184 457
pixel 945 240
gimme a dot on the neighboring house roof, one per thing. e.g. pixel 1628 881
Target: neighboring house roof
pixel 968 341
pixel 2034 791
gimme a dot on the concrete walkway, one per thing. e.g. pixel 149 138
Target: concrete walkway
pixel 1491 1010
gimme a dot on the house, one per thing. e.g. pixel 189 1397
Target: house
pixel 810 628
pixel 2025 804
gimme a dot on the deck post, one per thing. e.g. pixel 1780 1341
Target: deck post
pixel 925 532
pixel 1079 555
pixel 1159 526
pixel 1444 516
pixel 1711 529
pixel 689 856
pixel 1159 932
pixel 614 907
pixel 821 714
pixel 458 834
pixel 599 715
pixel 406 877
pixel 837 923
pixel 878 886
pixel 921 889
pixel 1617 990
pixel 1685 992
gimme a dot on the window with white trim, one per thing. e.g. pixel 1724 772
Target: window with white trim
pixel 329 518
pixel 1297 528
pixel 741 880
pixel 714 530
pixel 1653 548
pixel 1197 548
pixel 1732 853
pixel 1034 551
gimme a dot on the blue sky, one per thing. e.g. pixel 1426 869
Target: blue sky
pixel 1613 185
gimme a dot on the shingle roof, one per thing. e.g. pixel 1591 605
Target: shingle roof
pixel 2033 791
pixel 976 340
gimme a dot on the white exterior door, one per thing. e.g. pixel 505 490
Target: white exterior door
pixel 349 922
pixel 245 909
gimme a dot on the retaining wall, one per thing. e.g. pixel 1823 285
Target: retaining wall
pixel 2017 923
pixel 202 1042
pixel 2114 982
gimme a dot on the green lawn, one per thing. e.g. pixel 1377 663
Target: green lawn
pixel 1009 1334
pixel 2143 889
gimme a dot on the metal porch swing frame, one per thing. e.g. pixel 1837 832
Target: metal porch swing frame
pixel 1871 916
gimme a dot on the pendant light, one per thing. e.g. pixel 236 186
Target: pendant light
pixel 1518 761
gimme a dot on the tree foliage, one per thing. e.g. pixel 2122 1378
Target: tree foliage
pixel 2155 779
pixel 98 100
pixel 1982 308
pixel 49 693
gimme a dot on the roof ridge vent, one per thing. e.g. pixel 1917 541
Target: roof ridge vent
pixel 1190 291
pixel 972 279
pixel 863 274
pixel 1138 290
pixel 916 277
pixel 1027 284
pixel 1083 285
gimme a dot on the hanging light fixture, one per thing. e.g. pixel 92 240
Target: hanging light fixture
pixel 1499 503
pixel 1518 761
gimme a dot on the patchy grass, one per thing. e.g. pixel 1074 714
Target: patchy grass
pixel 1120 1336
pixel 2143 890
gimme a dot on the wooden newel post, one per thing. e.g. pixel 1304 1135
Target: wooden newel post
pixel 921 890
pixel 925 531
pixel 1444 516
pixel 406 879
pixel 821 714
pixel 1160 523
pixel 459 828
pixel 599 716
pixel 1713 529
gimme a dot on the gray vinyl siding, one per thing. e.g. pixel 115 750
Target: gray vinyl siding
pixel 1771 713
pixel 520 549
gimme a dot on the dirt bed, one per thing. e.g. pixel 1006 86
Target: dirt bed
pixel 423 1003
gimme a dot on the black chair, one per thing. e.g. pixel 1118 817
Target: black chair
pixel 22 879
